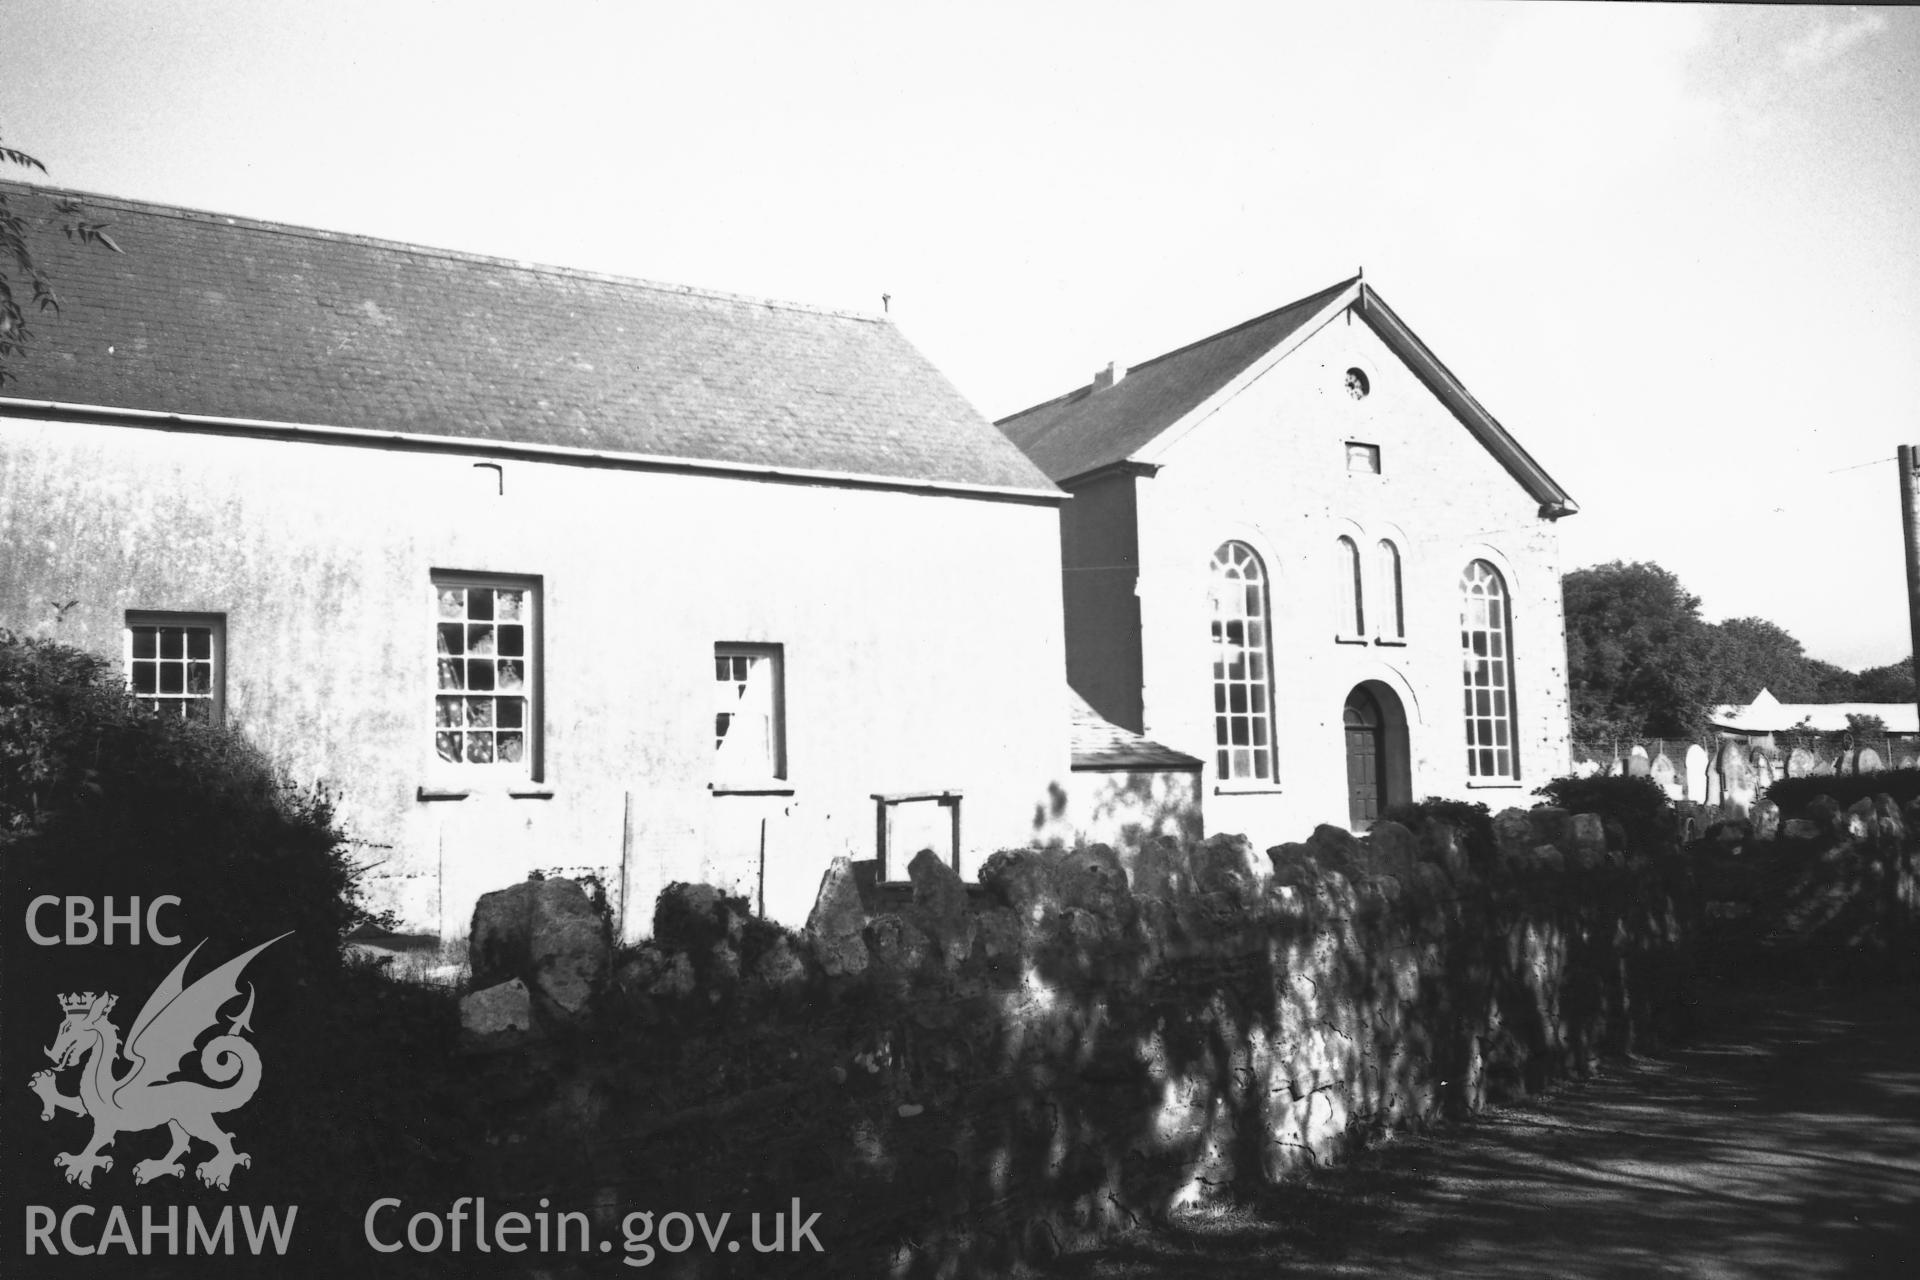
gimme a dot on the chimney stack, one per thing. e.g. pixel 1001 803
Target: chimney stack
pixel 1106 377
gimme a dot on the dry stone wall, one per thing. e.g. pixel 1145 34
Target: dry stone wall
pixel 1826 893
pixel 1085 1038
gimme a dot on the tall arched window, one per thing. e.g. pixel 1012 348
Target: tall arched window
pixel 1486 644
pixel 1352 619
pixel 1242 693
pixel 1392 605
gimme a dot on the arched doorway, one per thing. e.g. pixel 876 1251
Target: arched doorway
pixel 1376 740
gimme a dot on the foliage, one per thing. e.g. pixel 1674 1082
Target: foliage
pixel 20 272
pixel 1469 817
pixel 101 795
pixel 1642 663
pixel 1636 661
pixel 1891 683
pixel 1639 805
pixel 1793 795
pixel 1746 655
pixel 102 798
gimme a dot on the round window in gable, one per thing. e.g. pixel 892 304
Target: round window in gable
pixel 1357 384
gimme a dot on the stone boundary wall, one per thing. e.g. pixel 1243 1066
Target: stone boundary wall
pixel 1831 893
pixel 1089 1038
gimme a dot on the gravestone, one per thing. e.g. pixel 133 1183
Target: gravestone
pixel 1736 779
pixel 1667 776
pixel 1800 763
pixel 1868 761
pixel 1696 766
pixel 1637 766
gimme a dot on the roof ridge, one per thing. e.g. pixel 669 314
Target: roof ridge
pixel 300 230
pixel 1262 318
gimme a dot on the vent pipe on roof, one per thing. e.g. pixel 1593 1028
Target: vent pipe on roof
pixel 1108 376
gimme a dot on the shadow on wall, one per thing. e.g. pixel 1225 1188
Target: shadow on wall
pixel 1120 807
pixel 1091 1039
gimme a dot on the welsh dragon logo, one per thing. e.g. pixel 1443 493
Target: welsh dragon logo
pixel 146 1096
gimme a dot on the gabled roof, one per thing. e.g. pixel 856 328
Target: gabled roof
pixel 215 317
pixel 1090 430
pixel 1767 714
pixel 1100 744
pixel 1086 430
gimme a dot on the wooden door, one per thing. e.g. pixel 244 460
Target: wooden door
pixel 1362 718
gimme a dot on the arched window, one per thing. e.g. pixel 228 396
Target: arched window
pixel 1242 694
pixel 1486 644
pixel 1392 605
pixel 1352 620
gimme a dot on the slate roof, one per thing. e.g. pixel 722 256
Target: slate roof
pixel 1084 431
pixel 1098 743
pixel 1089 430
pixel 214 316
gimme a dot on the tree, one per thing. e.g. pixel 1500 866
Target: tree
pixel 1640 662
pixel 1746 655
pixel 20 272
pixel 1636 652
pixel 1891 683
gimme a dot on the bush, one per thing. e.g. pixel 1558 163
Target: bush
pixel 1794 794
pixel 1469 817
pixel 1639 805
pixel 101 797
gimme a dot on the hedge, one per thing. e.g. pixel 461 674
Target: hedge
pixel 1794 794
pixel 101 797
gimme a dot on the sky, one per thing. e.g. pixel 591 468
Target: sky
pixel 1671 247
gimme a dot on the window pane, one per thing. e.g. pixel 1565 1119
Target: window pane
pixel 173 642
pixel 143 677
pixel 199 643
pixel 146 642
pixel 172 677
pixel 200 678
pixel 467 641
pixel 1238 606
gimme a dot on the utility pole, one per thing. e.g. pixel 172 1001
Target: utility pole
pixel 1910 524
